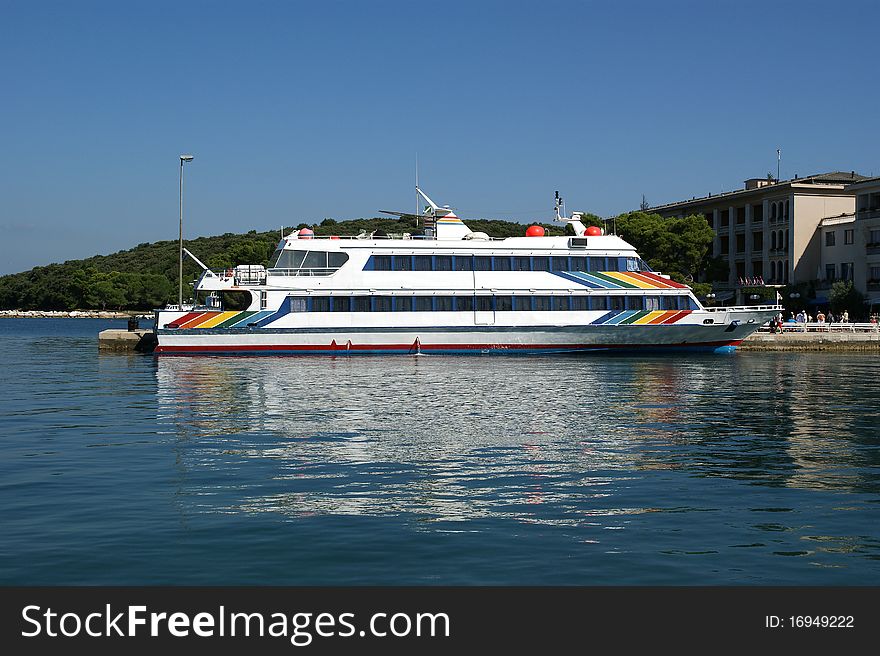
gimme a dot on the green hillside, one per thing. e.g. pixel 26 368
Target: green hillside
pixel 145 277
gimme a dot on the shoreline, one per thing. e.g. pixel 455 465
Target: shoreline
pixel 74 314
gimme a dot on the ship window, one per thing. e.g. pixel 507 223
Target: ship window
pixel 503 303
pixel 422 262
pixel 403 262
pixel 615 264
pixel 652 303
pixel 336 260
pixel 560 263
pixel 402 304
pixel 341 303
pixel 644 266
pixel 580 302
pixel 632 264
pixel 597 264
pixel 669 302
pixel 543 303
pixel 360 303
pixel 381 304
pixel 560 303
pixel 598 302
pixel 502 263
pixel 315 260
pixel 443 263
pixel 464 303
pixel 633 302
pixel 298 303
pixel 290 259
pixel 578 264
pixel 522 264
pixel 482 263
pixel 522 303
pixel 540 264
pixel 463 263
pixel 483 303
pixel 443 303
pixel 424 303
pixel 321 304
pixel 616 302
pixel 381 262
pixel 686 303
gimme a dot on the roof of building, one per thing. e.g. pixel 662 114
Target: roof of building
pixel 835 178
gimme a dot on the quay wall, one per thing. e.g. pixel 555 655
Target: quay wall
pixel 812 341
pixel 73 314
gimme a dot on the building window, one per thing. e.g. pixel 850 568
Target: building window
pixel 874 275
pixel 846 271
pixel 758 268
pixel 874 239
pixel 757 241
pixel 740 243
pixel 830 272
pixel 773 241
pixel 829 238
pixel 848 236
pixel 757 213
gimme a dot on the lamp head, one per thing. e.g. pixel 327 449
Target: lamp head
pixel 186 158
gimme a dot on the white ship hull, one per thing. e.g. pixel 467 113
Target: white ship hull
pixel 467 339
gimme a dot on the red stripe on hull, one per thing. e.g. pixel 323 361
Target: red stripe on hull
pixel 256 348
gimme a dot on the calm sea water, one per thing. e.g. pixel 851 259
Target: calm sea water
pixel 733 469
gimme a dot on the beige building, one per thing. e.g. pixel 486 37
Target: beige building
pixel 850 245
pixel 769 229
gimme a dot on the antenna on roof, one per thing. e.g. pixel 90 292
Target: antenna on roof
pixel 778 160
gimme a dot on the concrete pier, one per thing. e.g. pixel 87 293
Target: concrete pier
pixel 143 341
pixel 812 341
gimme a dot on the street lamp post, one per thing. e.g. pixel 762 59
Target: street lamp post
pixel 183 158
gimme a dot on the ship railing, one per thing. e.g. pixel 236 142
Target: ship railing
pixel 822 327
pixel 739 308
pixel 302 272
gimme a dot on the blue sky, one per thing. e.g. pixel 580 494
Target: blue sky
pixel 297 111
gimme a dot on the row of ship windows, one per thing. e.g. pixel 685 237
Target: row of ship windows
pixel 472 303
pixel 503 263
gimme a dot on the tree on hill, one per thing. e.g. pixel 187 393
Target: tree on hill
pixel 677 246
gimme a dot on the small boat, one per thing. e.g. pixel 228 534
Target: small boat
pixel 451 290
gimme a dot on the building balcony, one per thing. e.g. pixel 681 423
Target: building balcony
pixel 868 213
pixel 873 285
pixel 872 249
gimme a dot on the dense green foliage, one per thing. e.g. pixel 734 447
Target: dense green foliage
pixel 145 277
pixel 675 246
pixel 843 296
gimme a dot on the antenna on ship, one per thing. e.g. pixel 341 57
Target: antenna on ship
pixel 559 205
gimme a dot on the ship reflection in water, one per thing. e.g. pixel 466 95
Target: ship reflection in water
pixel 566 441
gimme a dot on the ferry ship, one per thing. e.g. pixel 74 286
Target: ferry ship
pixel 451 290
